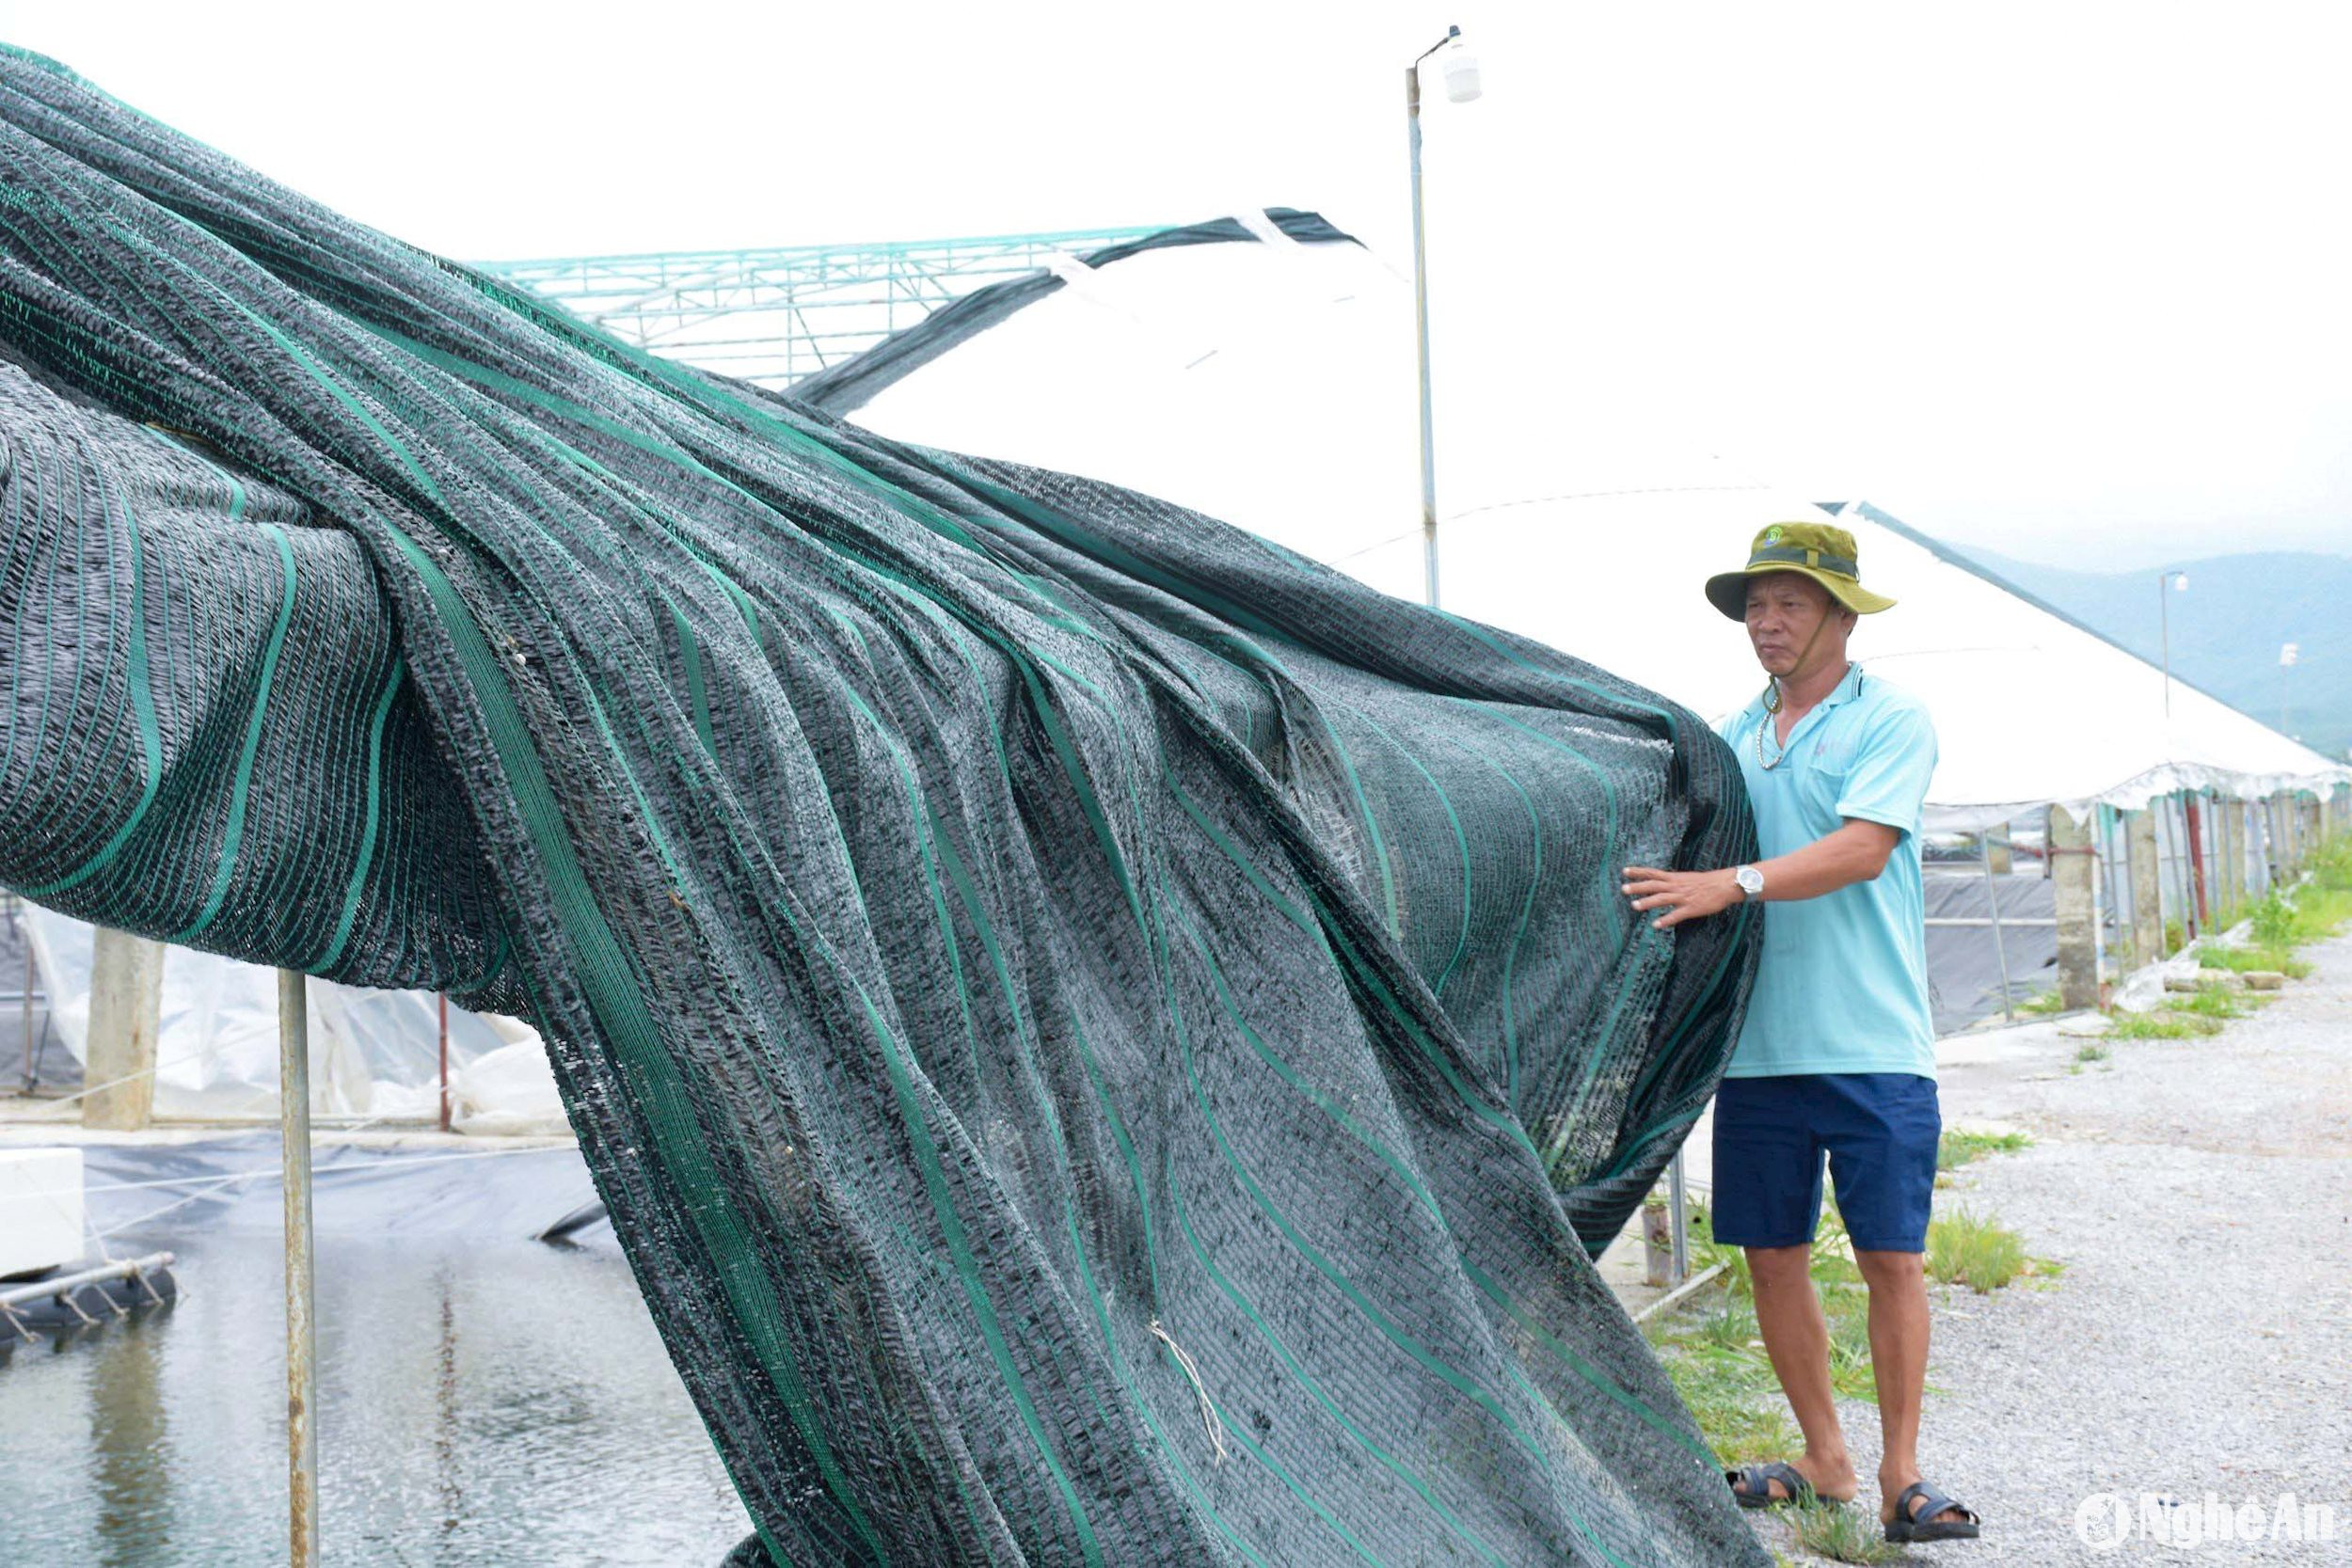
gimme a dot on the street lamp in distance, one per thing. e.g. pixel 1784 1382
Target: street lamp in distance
pixel 1460 69
pixel 2178 583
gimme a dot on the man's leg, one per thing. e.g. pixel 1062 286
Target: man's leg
pixel 1882 1156
pixel 1899 1364
pixel 1796 1336
pixel 1767 1202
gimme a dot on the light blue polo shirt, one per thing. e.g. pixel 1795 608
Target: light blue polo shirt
pixel 1843 983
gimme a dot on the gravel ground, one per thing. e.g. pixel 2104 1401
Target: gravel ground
pixel 2200 1194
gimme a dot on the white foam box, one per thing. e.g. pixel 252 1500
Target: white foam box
pixel 40 1209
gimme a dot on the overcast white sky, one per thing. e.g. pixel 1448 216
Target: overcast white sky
pixel 2070 280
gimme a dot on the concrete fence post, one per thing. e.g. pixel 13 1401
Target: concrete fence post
pixel 2071 871
pixel 2140 842
pixel 126 998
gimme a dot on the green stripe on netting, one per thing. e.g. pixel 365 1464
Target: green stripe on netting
pixel 1518 929
pixel 1284 1071
pixel 1314 1389
pixel 1461 841
pixel 616 997
pixel 1420 1354
pixel 1584 1368
pixel 236 490
pixel 370 825
pixel 143 716
pixel 696 692
pixel 917 1123
pixel 234 836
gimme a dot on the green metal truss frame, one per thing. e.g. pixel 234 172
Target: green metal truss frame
pixel 774 315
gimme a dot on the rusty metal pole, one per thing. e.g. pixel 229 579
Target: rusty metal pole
pixel 1993 908
pixel 2198 900
pixel 440 1002
pixel 293 1125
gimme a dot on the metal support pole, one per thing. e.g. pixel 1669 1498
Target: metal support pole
pixel 24 935
pixel 1993 906
pixel 1420 332
pixel 1678 1213
pixel 440 1003
pixel 293 1125
pixel 2164 621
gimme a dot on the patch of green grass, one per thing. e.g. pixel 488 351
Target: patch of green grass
pixel 1844 1532
pixel 2331 863
pixel 2274 921
pixel 1957 1149
pixel 2285 919
pixel 2212 1001
pixel 2091 1052
pixel 2241 960
pixel 2174 935
pixel 1850 1371
pixel 1741 1420
pixel 1730 1327
pixel 1968 1248
pixel 2321 912
pixel 2167 1025
pixel 2043 1003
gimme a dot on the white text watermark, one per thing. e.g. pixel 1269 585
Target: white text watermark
pixel 2105 1520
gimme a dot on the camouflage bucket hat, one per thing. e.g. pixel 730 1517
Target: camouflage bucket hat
pixel 1816 550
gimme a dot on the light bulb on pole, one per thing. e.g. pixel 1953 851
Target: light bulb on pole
pixel 1460 69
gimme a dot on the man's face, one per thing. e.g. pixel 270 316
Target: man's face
pixel 1786 612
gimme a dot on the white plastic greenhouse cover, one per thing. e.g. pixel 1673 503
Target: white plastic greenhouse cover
pixel 1270 382
pixel 374 1055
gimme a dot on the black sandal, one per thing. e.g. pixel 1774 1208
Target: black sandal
pixel 1921 1523
pixel 1757 1493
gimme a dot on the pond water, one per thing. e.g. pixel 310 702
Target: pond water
pixel 502 1403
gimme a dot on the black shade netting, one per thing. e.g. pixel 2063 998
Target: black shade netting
pixel 1105 1042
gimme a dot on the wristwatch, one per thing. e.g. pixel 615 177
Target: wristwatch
pixel 1751 881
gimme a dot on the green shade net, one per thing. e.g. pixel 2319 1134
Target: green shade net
pixel 1105 1042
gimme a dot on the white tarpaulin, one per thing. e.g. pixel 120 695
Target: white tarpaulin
pixel 1272 384
pixel 374 1053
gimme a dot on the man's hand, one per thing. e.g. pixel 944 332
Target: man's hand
pixel 1683 895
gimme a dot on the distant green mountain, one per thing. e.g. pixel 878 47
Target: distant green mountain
pixel 2227 629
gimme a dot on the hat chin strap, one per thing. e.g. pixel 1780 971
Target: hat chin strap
pixel 1772 699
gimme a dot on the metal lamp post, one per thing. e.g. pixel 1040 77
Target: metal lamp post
pixel 2288 657
pixel 302 1402
pixel 1461 85
pixel 2177 582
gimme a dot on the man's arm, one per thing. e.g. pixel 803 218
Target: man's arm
pixel 1854 852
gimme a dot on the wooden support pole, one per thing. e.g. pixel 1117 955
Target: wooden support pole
pixel 126 1000
pixel 2071 875
pixel 2139 837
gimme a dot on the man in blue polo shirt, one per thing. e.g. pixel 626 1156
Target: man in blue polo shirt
pixel 1837 1056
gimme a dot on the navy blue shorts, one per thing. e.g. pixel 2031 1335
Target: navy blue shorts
pixel 1880 1130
